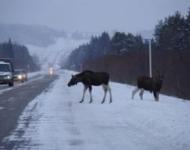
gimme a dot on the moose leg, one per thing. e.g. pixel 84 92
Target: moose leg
pixel 141 94
pixel 105 88
pixel 109 89
pixel 84 91
pixel 134 92
pixel 156 96
pixel 90 91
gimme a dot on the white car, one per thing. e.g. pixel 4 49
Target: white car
pixel 6 73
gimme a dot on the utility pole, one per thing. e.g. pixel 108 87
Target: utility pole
pixel 150 58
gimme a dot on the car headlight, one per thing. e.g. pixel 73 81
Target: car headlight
pixel 20 77
pixel 7 77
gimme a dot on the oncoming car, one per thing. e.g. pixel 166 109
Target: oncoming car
pixel 20 75
pixel 50 71
pixel 6 73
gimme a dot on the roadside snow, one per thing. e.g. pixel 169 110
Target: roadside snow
pixel 56 121
pixel 34 74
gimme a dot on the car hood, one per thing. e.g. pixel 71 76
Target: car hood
pixel 4 73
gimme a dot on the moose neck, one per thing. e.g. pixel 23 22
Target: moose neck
pixel 79 77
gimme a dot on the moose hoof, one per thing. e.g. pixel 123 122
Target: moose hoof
pixel 81 101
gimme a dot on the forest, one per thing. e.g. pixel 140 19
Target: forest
pixel 19 55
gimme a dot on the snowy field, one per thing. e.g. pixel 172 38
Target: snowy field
pixel 56 121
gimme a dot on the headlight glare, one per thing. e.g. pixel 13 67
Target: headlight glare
pixel 19 77
pixel 7 77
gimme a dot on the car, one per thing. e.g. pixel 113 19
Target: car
pixel 20 75
pixel 6 73
pixel 50 71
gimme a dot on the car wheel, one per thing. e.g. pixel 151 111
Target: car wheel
pixel 11 84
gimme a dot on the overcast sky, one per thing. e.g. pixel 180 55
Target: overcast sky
pixel 91 15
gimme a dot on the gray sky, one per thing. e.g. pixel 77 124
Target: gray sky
pixel 91 15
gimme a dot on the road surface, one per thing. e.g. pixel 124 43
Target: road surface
pixel 14 100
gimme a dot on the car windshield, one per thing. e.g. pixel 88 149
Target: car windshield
pixel 17 72
pixel 4 68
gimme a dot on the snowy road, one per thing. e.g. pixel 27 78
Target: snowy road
pixel 56 121
pixel 14 100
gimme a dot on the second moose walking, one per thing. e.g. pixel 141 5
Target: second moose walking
pixel 152 84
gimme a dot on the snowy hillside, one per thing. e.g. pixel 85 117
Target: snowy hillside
pixel 30 34
pixel 55 53
pixel 58 121
pixel 49 45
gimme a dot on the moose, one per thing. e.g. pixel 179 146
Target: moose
pixel 88 79
pixel 152 84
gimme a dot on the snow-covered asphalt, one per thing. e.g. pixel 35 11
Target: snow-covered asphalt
pixel 56 121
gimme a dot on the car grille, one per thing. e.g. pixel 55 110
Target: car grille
pixel 2 77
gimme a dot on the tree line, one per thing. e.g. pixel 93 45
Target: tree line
pixel 102 45
pixel 19 55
